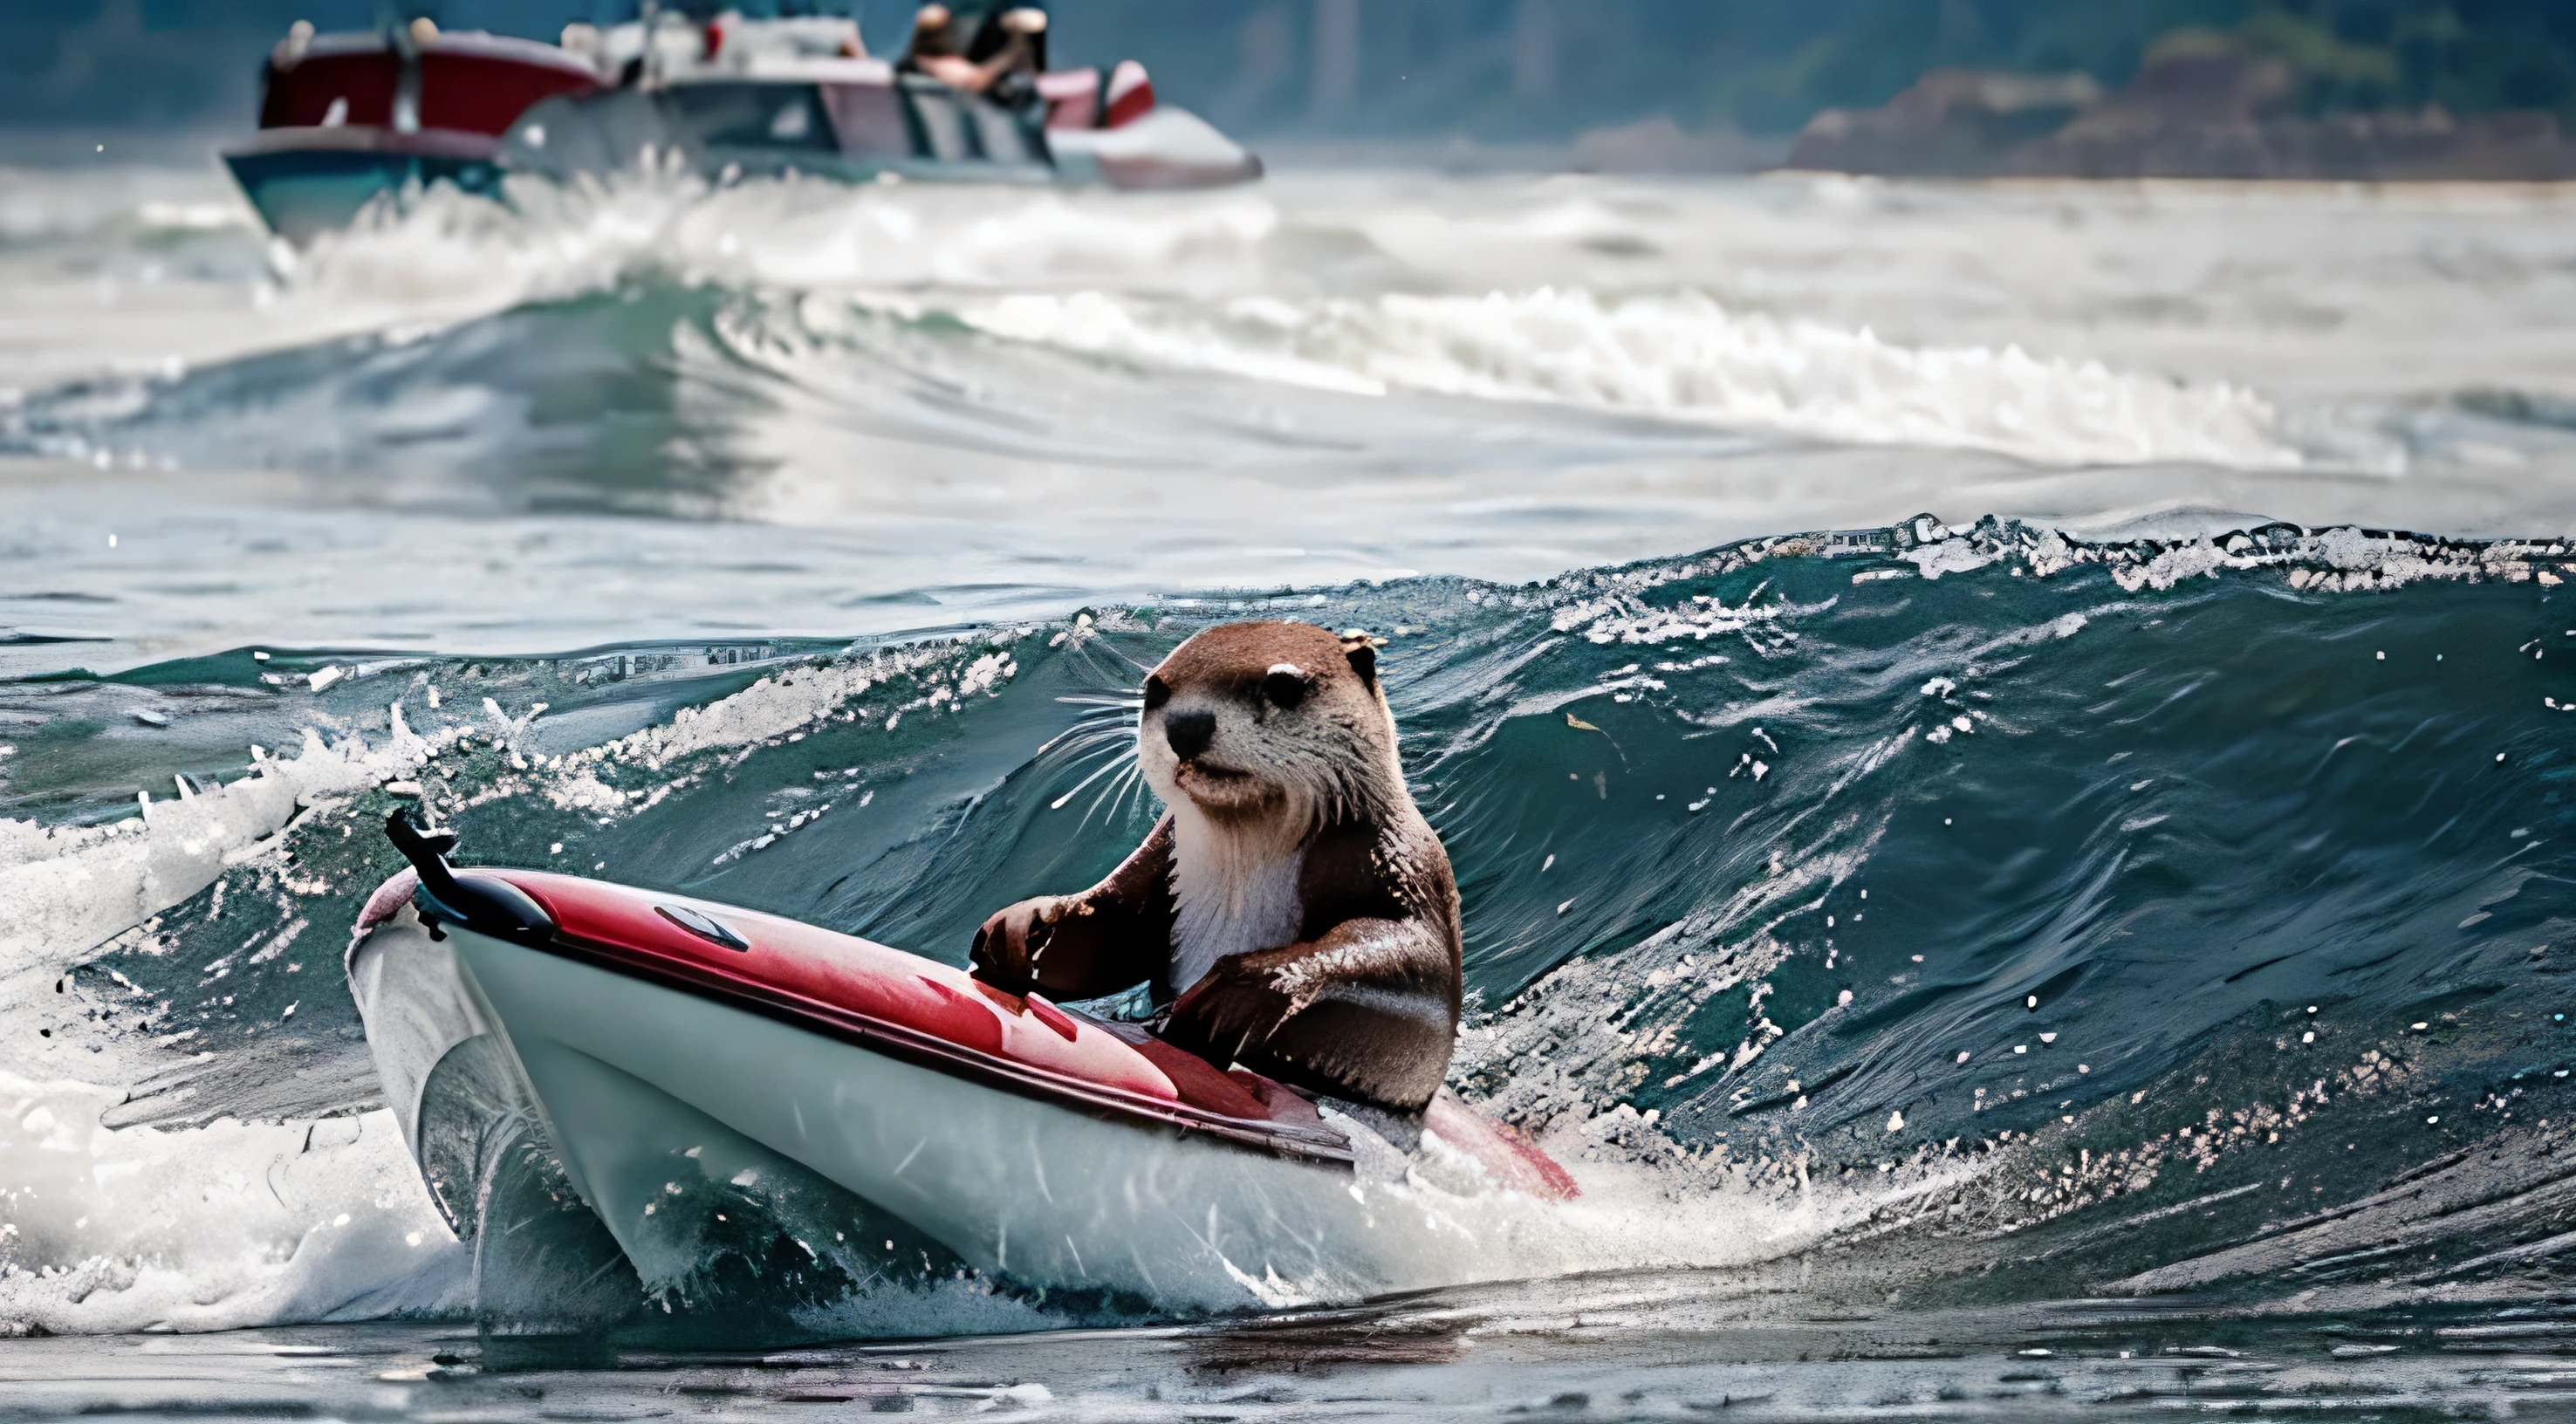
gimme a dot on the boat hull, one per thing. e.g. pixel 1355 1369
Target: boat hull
pixel 643 1087
pixel 1027 1190
pixel 619 1094
pixel 305 183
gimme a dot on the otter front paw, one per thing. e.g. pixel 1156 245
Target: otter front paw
pixel 1007 947
pixel 1234 1007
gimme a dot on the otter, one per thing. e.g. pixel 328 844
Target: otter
pixel 1292 911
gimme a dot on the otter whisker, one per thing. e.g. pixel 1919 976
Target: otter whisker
pixel 1051 743
pixel 1110 715
pixel 1122 655
pixel 1129 789
pixel 1109 722
pixel 1106 767
pixel 1083 740
pixel 1113 793
pixel 1108 795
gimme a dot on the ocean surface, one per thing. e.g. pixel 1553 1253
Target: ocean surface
pixel 1998 743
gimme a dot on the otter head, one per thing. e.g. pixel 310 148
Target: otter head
pixel 1277 724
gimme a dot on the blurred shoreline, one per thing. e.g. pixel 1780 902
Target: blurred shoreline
pixel 2192 115
pixel 1649 149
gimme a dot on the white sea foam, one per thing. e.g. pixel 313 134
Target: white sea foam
pixel 1681 356
pixel 70 887
pixel 229 1225
pixel 1193 284
pixel 1746 305
pixel 209 1228
pixel 448 253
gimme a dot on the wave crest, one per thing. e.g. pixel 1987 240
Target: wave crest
pixel 1680 356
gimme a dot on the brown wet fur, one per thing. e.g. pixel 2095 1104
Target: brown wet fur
pixel 1363 1003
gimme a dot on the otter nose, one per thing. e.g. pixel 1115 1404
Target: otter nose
pixel 1189 732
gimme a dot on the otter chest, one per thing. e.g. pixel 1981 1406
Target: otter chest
pixel 1230 902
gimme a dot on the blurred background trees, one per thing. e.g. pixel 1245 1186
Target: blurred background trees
pixel 1492 70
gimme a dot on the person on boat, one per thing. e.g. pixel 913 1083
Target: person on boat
pixel 933 49
pixel 1006 25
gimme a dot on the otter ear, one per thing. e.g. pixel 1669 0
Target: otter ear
pixel 1361 648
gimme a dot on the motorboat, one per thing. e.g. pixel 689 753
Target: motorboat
pixel 347 119
pixel 658 1057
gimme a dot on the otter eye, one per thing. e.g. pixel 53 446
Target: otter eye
pixel 1285 686
pixel 1157 692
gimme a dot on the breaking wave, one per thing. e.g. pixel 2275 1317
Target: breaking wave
pixel 1681 357
pixel 2043 915
pixel 381 342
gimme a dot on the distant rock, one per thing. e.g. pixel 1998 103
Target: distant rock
pixel 2184 116
pixel 2215 116
pixel 1950 123
pixel 2189 114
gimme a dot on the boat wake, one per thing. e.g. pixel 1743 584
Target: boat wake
pixel 716 303
pixel 1681 357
